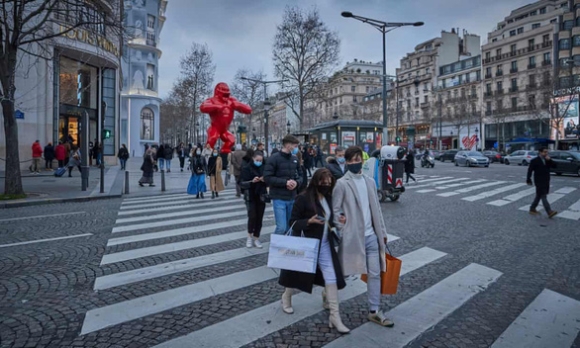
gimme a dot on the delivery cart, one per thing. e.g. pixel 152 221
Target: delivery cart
pixel 387 168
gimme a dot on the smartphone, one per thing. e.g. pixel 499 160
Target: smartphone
pixel 321 218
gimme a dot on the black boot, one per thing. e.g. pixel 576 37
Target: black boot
pixel 216 194
pixel 201 195
pixel 212 195
pixel 197 197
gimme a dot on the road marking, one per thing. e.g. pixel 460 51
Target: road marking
pixel 100 318
pixel 146 208
pixel 552 197
pixel 423 311
pixel 168 199
pixel 512 198
pixel 438 179
pixel 190 201
pixel 459 184
pixel 169 196
pixel 243 329
pixel 171 247
pixel 551 320
pixel 42 216
pixel 493 192
pixel 438 183
pixel 425 191
pixel 469 189
pixel 572 213
pixel 566 190
pixel 45 240
pixel 187 212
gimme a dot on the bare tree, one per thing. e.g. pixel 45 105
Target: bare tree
pixel 250 92
pixel 27 29
pixel 304 53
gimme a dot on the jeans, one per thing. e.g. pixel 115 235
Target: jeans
pixel 168 164
pixel 373 272
pixel 325 261
pixel 161 162
pixel 282 212
pixel 123 163
pixel 545 203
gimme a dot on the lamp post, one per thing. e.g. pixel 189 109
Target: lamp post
pixel 288 126
pixel 384 28
pixel 476 138
pixel 266 105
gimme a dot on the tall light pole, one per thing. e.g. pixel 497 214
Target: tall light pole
pixel 266 105
pixel 383 27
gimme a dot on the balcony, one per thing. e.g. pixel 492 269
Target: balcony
pixel 520 52
pixel 425 105
pixel 473 96
pixel 513 89
pixel 488 94
pixel 531 87
pixel 499 73
pixel 488 76
pixel 499 92
pixel 513 70
pixel 417 92
pixel 531 66
pixel 546 62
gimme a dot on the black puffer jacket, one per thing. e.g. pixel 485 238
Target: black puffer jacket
pixel 334 167
pixel 280 168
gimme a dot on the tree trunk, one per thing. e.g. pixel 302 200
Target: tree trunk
pixel 301 116
pixel 13 181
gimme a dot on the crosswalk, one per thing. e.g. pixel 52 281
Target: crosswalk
pixel 156 238
pixel 498 193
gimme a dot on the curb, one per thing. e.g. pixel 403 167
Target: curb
pixel 56 200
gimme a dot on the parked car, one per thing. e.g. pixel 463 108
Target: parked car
pixel 448 155
pixel 437 154
pixel 520 157
pixel 567 162
pixel 493 156
pixel 471 158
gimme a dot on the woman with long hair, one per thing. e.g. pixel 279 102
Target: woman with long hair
pixel 198 169
pixel 147 167
pixel 255 188
pixel 312 215
pixel 214 166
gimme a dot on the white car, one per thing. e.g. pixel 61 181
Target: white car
pixel 471 159
pixel 520 157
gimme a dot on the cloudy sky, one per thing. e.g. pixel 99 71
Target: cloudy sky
pixel 240 33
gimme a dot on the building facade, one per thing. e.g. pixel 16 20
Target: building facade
pixel 140 101
pixel 80 79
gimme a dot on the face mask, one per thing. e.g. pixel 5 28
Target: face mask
pixel 215 154
pixel 198 152
pixel 341 160
pixel 295 151
pixel 257 163
pixel 324 190
pixel 354 168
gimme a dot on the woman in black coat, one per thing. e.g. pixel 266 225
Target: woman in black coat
pixel 48 156
pixel 410 166
pixel 252 182
pixel 312 215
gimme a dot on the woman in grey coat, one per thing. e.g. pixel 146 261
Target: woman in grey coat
pixel 74 161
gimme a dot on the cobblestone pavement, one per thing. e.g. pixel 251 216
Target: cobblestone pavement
pixel 173 271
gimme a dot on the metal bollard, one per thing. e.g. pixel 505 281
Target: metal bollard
pixel 126 182
pixel 162 180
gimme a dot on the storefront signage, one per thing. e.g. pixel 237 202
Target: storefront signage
pixel 71 110
pixel 90 38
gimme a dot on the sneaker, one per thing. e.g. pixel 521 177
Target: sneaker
pixel 379 318
pixel 258 244
pixel 534 212
pixel 552 214
pixel 249 242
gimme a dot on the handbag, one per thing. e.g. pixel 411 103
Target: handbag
pixel 265 197
pixel 291 253
pixel 390 278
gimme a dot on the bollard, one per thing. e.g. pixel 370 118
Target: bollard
pixel 102 177
pixel 126 182
pixel 162 180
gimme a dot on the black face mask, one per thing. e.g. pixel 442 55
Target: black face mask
pixel 354 168
pixel 324 190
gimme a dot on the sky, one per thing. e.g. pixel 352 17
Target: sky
pixel 240 33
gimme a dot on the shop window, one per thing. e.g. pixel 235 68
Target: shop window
pixel 147 124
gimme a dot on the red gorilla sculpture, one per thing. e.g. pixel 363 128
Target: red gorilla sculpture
pixel 221 109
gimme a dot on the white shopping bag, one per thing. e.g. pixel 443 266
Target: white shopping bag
pixel 293 253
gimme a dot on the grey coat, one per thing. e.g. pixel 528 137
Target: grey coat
pixel 352 251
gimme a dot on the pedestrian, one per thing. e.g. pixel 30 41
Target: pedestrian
pixel 91 146
pixel 60 154
pixel 283 176
pixel 307 159
pixel 362 249
pixel 74 160
pixel 252 181
pixel 123 156
pixel 181 154
pixel 410 166
pixel 36 156
pixel 198 169
pixel 319 157
pixel 161 157
pixel 147 167
pixel 312 215
pixel 301 162
pixel 97 153
pixel 261 148
pixel 336 164
pixel 48 156
pixel 207 151
pixel 540 166
pixel 214 168
pixel 237 161
pixel 168 155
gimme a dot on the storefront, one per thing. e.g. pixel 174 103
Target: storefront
pixel 499 136
pixel 345 133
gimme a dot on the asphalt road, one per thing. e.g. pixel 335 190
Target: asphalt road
pixel 172 271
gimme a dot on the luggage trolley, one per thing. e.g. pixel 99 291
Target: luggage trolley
pixel 387 167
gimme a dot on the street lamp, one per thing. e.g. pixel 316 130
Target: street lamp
pixel 383 27
pixel 288 126
pixel 266 104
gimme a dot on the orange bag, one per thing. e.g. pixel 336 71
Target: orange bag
pixel 390 278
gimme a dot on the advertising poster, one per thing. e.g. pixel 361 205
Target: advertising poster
pixel 568 126
pixel 348 138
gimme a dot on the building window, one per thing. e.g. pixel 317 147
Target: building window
pixel 547 58
pixel 543 10
pixel 532 100
pixel 416 102
pixel 532 61
pixel 151 39
pixel 488 107
pixel 531 44
pixel 564 44
pixel 487 72
pixel 576 40
pixel 513 48
pixel 512 33
pixel 514 104
pixel 533 13
pixel 514 84
pixel 535 25
pixel 498 52
pixel 478 75
pixel 150 77
pixel 488 88
pixel 487 55
pixel 546 38
pixel 499 86
pixel 147 124
pixel 520 30
pixel 532 78
pixel 74 14
pixel 514 66
pixel 567 25
pixel 352 88
pixel 150 22
pixel 426 98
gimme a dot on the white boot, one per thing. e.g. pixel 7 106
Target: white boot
pixel 334 320
pixel 287 301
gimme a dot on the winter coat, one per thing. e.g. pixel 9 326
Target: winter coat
pixel 36 150
pixel 198 165
pixel 214 170
pixel 168 152
pixel 123 154
pixel 280 168
pixel 410 163
pixel 237 161
pixel 181 152
pixel 303 210
pixel 74 159
pixel 249 172
pixel 96 150
pixel 49 152
pixel 148 161
pixel 60 152
pixel 160 153
pixel 352 251
pixel 206 153
pixel 334 167
pixel 541 174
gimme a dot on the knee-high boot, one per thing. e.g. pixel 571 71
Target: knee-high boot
pixel 287 301
pixel 334 320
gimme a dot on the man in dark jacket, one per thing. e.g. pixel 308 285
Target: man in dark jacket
pixel 181 154
pixel 283 175
pixel 336 164
pixel 540 166
pixel 168 154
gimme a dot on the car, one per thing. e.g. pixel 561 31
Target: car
pixel 437 154
pixel 520 157
pixel 448 155
pixel 567 162
pixel 471 158
pixel 493 156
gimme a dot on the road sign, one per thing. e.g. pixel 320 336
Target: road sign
pixel 19 114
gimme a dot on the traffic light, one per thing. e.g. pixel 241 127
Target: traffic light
pixel 398 139
pixel 106 134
